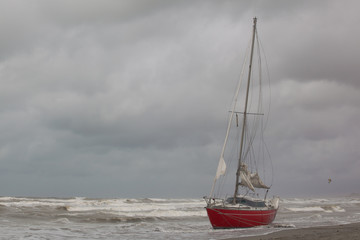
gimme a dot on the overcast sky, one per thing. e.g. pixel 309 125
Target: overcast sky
pixel 130 98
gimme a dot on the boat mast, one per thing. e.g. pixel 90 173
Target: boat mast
pixel 245 112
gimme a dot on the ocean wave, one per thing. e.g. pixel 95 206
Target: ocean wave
pixel 349 201
pixel 105 210
pixel 304 200
pixel 153 217
pixel 99 203
pixel 62 220
pixel 326 208
pixel 139 212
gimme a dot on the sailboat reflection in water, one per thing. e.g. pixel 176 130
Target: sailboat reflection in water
pixel 248 206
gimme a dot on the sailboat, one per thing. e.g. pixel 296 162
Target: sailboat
pixel 248 205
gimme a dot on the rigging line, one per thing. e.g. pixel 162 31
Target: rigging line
pixel 231 156
pixel 271 163
pixel 251 149
pixel 252 132
pixel 234 150
pixel 268 76
pixel 240 76
pixel 260 71
pixel 269 104
pixel 224 178
pixel 258 122
pixel 230 121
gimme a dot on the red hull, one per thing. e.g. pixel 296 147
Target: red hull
pixel 233 218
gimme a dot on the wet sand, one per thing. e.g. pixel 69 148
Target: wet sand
pixel 347 231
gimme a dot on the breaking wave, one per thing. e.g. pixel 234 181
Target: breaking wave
pixel 326 208
pixel 154 218
pixel 106 210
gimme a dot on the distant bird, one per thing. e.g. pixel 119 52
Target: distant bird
pixel 329 180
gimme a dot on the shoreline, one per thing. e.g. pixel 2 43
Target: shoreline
pixel 337 232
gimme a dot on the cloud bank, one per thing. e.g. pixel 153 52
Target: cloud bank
pixel 129 99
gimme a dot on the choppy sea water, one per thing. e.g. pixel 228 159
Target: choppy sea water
pixel 150 218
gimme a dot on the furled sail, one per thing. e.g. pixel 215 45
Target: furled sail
pixel 256 181
pixel 250 180
pixel 245 177
pixel 221 168
pixel 245 181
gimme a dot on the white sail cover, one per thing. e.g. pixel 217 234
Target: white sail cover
pixel 250 180
pixel 221 169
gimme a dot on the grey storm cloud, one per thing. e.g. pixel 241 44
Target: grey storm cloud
pixel 129 98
